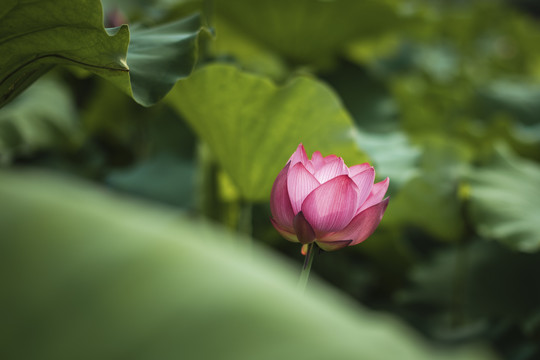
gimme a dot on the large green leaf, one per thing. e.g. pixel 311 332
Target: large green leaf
pixel 253 126
pixel 306 31
pixel 505 202
pixel 40 34
pixel 249 53
pixel 87 275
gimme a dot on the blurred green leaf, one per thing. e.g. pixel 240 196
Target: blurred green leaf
pixel 433 194
pixel 44 117
pixel 89 275
pixel 392 155
pixel 249 53
pixel 310 32
pixel 505 201
pixel 162 177
pixel 366 97
pixel 40 34
pixel 436 209
pixel 111 116
pixel 466 288
pixel 520 98
pixel 252 126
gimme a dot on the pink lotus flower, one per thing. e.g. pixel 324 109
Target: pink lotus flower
pixel 325 201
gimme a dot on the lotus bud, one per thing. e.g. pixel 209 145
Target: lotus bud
pixel 322 200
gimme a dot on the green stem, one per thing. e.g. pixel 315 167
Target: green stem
pixel 245 225
pixel 209 200
pixel 304 276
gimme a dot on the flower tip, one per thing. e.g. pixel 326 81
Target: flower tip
pixel 299 155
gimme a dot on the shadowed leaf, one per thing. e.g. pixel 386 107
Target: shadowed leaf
pixel 38 35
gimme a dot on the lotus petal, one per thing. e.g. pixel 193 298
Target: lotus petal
pixel 357 169
pixel 280 204
pixel 364 181
pixel 317 160
pixel 304 231
pixel 331 206
pixel 299 155
pixel 331 169
pixel 284 232
pixel 377 194
pixel 329 158
pixel 361 226
pixel 300 183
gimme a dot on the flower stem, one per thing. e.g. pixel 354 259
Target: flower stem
pixel 304 276
pixel 245 225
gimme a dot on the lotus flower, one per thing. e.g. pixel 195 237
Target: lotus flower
pixel 325 201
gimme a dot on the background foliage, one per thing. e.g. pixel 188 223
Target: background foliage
pixel 139 141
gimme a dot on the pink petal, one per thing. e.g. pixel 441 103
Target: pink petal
pixel 280 204
pixel 317 160
pixel 286 234
pixel 331 206
pixel 364 181
pixel 329 158
pixel 377 194
pixel 331 169
pixel 333 245
pixel 309 167
pixel 300 183
pixel 299 155
pixel 357 169
pixel 362 226
pixel 304 231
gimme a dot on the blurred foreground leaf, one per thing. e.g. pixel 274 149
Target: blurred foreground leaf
pixel 36 35
pixel 87 275
pixel 252 126
pixel 505 202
